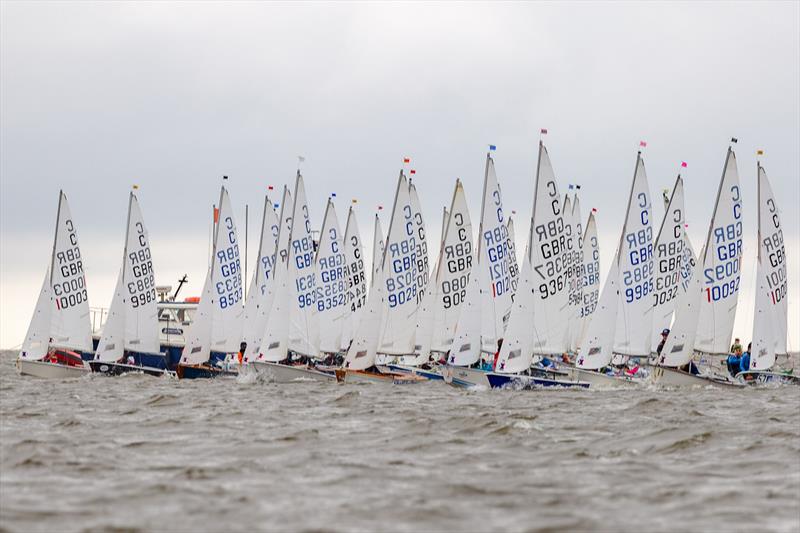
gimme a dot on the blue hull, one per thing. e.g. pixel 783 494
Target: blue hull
pixel 500 381
pixel 202 372
pixel 427 374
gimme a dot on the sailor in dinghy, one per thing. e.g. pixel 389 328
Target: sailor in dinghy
pixel 216 331
pixel 60 334
pixel 129 342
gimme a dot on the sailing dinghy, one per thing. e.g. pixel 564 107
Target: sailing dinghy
pixel 216 331
pixel 60 333
pixel 129 342
pixel 771 311
pixel 388 322
pixel 262 287
pixel 487 296
pixel 439 312
pixel 539 318
pixel 704 315
pixel 290 347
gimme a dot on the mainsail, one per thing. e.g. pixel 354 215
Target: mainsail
pixel 69 324
pixel 217 326
pixel 452 271
pixel 400 275
pixel 721 265
pixel 772 259
pixel 493 264
pixel 635 263
pixel 668 259
pixel 331 289
pixel 364 347
pixel 546 253
pixel 262 290
pixel 576 284
pixel 590 290
pixel 132 322
pixel 356 278
pixel 303 318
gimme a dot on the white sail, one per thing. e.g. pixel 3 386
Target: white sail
pixel 304 317
pixel 547 251
pixel 356 278
pixel 278 261
pixel 678 348
pixel 423 264
pixel 576 285
pixel 635 263
pixel 597 346
pixel 772 255
pixel 590 290
pixel 513 266
pixel 516 353
pixel 141 313
pixel 111 346
pixel 466 347
pixel 668 257
pixel 363 350
pixel 132 322
pixel 275 340
pixel 259 297
pixel 331 288
pixel 762 350
pixel 494 272
pixel 217 326
pixel 399 279
pixel 37 339
pixel 197 349
pixel 721 265
pixel 69 326
pixel 452 271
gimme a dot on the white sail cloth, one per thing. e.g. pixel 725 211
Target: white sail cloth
pixel 721 262
pixel 217 325
pixel 132 322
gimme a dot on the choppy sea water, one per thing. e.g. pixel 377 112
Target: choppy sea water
pixel 144 454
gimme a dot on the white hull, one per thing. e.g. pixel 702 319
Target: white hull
pixel 41 369
pixel 671 377
pixel 463 377
pixel 391 378
pixel 289 373
pixel 597 380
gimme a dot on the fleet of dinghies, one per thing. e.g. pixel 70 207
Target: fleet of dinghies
pixel 476 315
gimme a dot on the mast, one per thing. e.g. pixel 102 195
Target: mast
pixel 55 237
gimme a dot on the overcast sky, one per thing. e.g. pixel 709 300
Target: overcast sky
pixel 171 96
